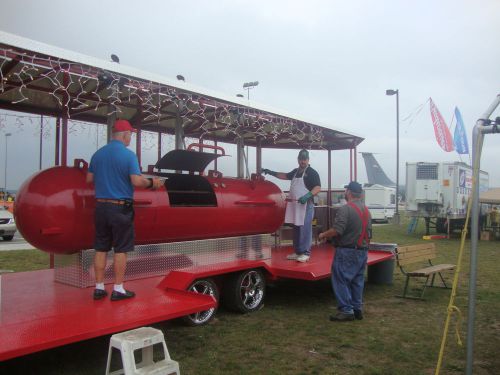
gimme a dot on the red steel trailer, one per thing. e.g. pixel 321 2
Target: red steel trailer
pixel 180 266
pixel 39 314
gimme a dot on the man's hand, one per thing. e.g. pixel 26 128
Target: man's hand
pixel 322 236
pixel 154 183
pixel 303 199
pixel 268 171
pixel 157 183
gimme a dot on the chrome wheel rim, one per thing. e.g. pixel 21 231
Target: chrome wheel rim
pixel 203 287
pixel 252 289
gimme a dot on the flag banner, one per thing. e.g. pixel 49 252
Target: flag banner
pixel 443 135
pixel 460 136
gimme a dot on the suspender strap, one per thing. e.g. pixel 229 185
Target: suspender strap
pixel 364 220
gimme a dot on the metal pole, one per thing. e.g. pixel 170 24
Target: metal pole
pixel 179 132
pixel 159 145
pixel 215 161
pixel 5 169
pixel 138 148
pixel 355 164
pixel 64 144
pixel 64 141
pixel 350 164
pixel 477 144
pixel 5 166
pixel 258 156
pixel 329 192
pixel 240 171
pixel 41 143
pixel 396 214
pixel 57 141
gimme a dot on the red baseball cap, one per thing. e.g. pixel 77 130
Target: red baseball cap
pixel 123 126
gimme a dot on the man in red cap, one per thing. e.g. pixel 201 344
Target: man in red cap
pixel 115 172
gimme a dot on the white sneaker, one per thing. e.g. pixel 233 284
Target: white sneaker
pixel 292 256
pixel 303 258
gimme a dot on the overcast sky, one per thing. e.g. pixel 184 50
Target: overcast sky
pixel 326 61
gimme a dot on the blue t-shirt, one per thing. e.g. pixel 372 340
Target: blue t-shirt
pixel 112 166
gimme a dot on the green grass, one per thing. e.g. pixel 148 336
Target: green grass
pixel 292 333
pixel 23 260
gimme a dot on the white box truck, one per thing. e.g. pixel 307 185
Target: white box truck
pixel 381 201
pixel 440 191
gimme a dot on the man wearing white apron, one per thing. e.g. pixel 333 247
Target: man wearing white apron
pixel 300 207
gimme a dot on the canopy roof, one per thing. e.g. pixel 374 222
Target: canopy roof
pixel 42 79
pixel 491 196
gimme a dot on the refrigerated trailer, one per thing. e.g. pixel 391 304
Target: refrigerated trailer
pixel 439 193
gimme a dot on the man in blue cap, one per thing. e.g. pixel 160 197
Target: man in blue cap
pixel 352 229
pixel 305 184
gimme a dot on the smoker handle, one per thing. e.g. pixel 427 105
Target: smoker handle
pixel 202 146
pixel 51 231
pixel 255 202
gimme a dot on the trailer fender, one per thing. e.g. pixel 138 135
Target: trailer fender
pixel 203 286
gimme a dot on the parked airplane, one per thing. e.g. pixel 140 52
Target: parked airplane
pixel 374 171
pixel 376 174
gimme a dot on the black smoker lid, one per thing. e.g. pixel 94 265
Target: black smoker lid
pixel 184 160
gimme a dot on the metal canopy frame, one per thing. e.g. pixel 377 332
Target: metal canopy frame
pixel 42 79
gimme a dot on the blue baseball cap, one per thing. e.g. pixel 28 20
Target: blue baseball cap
pixel 355 187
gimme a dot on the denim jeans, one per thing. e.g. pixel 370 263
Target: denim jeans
pixel 348 277
pixel 302 234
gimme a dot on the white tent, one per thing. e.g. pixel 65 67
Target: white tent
pixel 491 196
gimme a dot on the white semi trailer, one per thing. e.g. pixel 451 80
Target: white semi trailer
pixel 439 193
pixel 381 201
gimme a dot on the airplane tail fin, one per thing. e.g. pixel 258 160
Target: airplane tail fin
pixel 374 171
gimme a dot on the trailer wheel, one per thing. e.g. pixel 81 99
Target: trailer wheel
pixel 202 286
pixel 245 291
pixel 8 238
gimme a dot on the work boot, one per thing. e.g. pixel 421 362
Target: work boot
pixel 341 317
pixel 117 296
pixel 358 314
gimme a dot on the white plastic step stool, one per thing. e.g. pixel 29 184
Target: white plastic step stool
pixel 141 338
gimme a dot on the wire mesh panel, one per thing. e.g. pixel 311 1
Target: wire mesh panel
pixel 158 259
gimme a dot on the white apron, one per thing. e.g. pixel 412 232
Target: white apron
pixel 296 212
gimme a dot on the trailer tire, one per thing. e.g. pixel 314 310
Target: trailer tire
pixel 8 238
pixel 245 291
pixel 202 286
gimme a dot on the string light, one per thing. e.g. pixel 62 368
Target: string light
pixel 78 88
pixel 20 123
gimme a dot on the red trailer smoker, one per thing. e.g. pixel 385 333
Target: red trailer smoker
pixel 55 207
